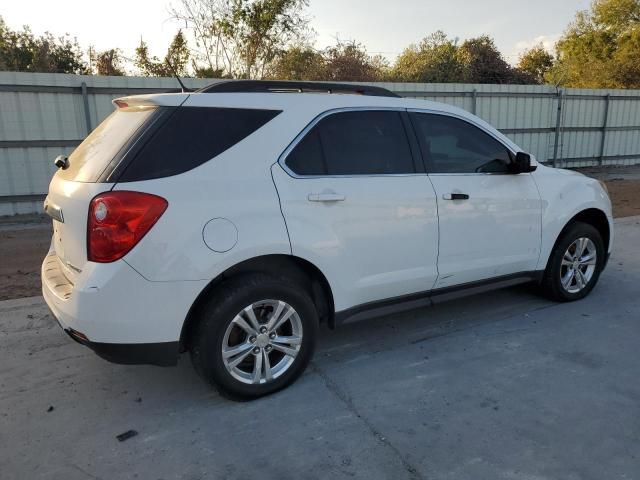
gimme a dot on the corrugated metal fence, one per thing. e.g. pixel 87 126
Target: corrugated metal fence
pixel 44 115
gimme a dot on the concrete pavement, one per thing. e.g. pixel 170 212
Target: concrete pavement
pixel 505 385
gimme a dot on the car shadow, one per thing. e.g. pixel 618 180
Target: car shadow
pixel 166 388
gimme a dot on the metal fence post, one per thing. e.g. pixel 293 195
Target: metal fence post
pixel 557 130
pixel 85 102
pixel 604 128
pixel 474 101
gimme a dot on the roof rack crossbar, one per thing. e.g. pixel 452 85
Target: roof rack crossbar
pixel 278 86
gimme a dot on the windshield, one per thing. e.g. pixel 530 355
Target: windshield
pixel 94 154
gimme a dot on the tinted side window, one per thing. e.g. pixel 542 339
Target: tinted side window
pixel 190 137
pixel 451 145
pixel 354 143
pixel 307 157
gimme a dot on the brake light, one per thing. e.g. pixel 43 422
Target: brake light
pixel 118 220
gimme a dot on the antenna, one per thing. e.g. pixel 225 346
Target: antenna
pixel 175 74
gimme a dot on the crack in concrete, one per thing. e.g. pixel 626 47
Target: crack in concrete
pixel 85 472
pixel 348 402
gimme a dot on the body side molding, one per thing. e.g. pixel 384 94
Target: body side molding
pixel 428 298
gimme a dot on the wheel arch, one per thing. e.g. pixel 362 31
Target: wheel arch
pixel 592 216
pixel 280 265
pixel 596 218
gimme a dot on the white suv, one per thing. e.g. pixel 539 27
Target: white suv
pixel 231 221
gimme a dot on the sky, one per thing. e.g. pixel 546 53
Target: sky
pixel 384 26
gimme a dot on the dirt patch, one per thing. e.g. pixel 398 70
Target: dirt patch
pixel 22 250
pixel 24 241
pixel 625 197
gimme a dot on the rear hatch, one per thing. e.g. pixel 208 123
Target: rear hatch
pixel 72 188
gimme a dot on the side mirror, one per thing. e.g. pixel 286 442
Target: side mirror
pixel 522 163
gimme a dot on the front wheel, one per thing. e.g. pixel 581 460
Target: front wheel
pixel 575 263
pixel 256 335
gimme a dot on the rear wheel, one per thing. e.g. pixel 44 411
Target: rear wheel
pixel 575 263
pixel 256 335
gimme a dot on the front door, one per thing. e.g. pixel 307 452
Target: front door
pixel 490 219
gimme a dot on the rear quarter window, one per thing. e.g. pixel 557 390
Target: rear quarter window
pixel 190 137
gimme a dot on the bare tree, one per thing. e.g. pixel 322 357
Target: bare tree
pixel 204 18
pixel 242 37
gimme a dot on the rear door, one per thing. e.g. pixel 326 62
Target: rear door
pixel 357 205
pixel 490 218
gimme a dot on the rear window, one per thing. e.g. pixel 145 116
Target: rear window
pixel 190 137
pixel 94 154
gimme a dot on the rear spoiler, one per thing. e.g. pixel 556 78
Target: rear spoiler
pixel 151 100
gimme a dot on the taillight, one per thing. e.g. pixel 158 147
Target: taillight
pixel 117 222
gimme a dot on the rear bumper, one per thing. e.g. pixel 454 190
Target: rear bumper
pixel 164 354
pixel 116 312
pixel 161 354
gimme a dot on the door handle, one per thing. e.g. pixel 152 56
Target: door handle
pixel 326 197
pixel 455 196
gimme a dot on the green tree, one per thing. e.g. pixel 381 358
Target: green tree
pixel 439 59
pixel 433 60
pixel 536 62
pixel 174 62
pixel 482 62
pixel 204 71
pixel 601 47
pixel 298 63
pixel 350 62
pixel 22 51
pixel 109 62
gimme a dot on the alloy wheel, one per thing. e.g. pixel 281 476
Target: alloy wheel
pixel 578 265
pixel 262 341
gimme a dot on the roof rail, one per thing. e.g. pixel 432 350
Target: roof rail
pixel 281 86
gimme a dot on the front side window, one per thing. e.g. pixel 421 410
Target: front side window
pixel 452 145
pixel 354 143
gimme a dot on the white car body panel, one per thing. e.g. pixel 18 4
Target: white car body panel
pixel 224 188
pixel 495 232
pixel 70 236
pixel 380 243
pixel 565 194
pixel 152 313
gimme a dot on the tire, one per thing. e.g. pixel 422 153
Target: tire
pixel 225 322
pixel 560 267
